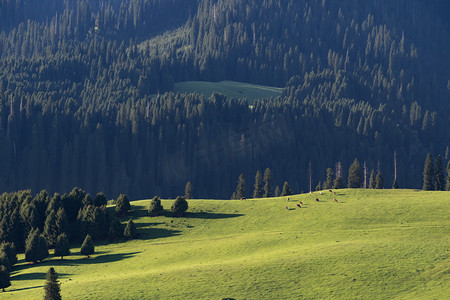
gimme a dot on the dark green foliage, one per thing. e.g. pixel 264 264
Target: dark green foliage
pixel 4 278
pixel 240 188
pixel 130 230
pixel 257 192
pixel 92 220
pixel 267 183
pixel 62 246
pixel 372 180
pixel 43 248
pixel 354 175
pixel 379 181
pixel 4 261
pixel 122 205
pixel 10 250
pixel 52 287
pixel 286 189
pixel 32 246
pixel 87 248
pixel 61 222
pixel 115 229
pixel 319 186
pixel 155 208
pixel 87 200
pixel 439 175
pixel 54 205
pixel 100 199
pixel 188 190
pixel 277 191
pixel 428 174
pixel 328 184
pixel 339 183
pixel 50 229
pixel 179 206
pixel 447 187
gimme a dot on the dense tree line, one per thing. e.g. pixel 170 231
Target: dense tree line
pixel 78 85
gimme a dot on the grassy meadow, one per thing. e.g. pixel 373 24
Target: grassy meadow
pixel 373 244
pixel 231 89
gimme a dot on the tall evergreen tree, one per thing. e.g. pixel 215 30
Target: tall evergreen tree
pixel 32 246
pixel 122 205
pixel 188 190
pixel 115 229
pixel 10 250
pixel 428 174
pixel 447 187
pixel 52 287
pixel 50 229
pixel 155 208
pixel 87 248
pixel 62 246
pixel 354 175
pixel 268 183
pixel 61 222
pixel 257 192
pixel 130 230
pixel 240 188
pixel 372 180
pixel 4 278
pixel 4 261
pixel 379 181
pixel 179 206
pixel 286 189
pixel 439 175
pixel 100 199
pixel 277 191
pixel 328 184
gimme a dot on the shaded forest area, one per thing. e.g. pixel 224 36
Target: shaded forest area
pixel 83 97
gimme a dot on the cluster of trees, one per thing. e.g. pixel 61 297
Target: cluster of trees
pixel 262 187
pixel 79 79
pixel 434 178
pixel 178 208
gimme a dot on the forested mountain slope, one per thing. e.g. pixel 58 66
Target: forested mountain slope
pixel 361 79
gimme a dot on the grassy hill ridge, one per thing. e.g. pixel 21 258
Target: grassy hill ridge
pixel 373 244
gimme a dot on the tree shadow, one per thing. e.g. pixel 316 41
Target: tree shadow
pixel 145 233
pixel 25 288
pixel 35 276
pixel 101 259
pixel 209 216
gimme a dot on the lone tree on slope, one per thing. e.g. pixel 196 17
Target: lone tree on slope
pixel 155 208
pixel 286 189
pixel 354 175
pixel 428 174
pixel 52 288
pixel 122 205
pixel 87 248
pixel 179 206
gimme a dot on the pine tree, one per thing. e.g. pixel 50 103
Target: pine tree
pixel 379 181
pixel 277 191
pixel 372 180
pixel 43 248
pixel 61 222
pixel 122 205
pixel 115 229
pixel 155 208
pixel 62 247
pixel 354 175
pixel 4 261
pixel 257 192
pixel 328 184
pixel 240 188
pixel 52 287
pixel 87 248
pixel 10 250
pixel 339 183
pixel 447 187
pixel 50 229
pixel 428 174
pixel 188 190
pixel 32 246
pixel 130 230
pixel 439 175
pixel 268 183
pixel 179 206
pixel 100 199
pixel 4 278
pixel 286 189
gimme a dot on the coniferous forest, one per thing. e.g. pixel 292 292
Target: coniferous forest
pixel 86 101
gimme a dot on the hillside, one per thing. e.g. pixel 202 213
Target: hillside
pixel 373 244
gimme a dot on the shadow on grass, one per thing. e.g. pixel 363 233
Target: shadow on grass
pixel 102 258
pixel 25 288
pixel 35 276
pixel 145 233
pixel 209 216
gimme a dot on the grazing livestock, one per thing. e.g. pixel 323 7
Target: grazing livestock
pixel 288 199
pixel 330 191
pixel 287 208
pixel 335 200
pixel 301 202
pixel 298 205
pixel 317 199
pixel 243 198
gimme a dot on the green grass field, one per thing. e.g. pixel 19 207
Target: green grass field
pixel 231 89
pixel 373 244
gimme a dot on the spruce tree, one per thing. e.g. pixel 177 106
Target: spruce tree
pixel 379 181
pixel 447 187
pixel 179 206
pixel 4 278
pixel 62 247
pixel 130 230
pixel 122 205
pixel 43 248
pixel 100 199
pixel 286 189
pixel 61 222
pixel 115 229
pixel 52 287
pixel 428 174
pixel 354 175
pixel 32 246
pixel 4 261
pixel 268 183
pixel 277 191
pixel 155 208
pixel 328 184
pixel 240 188
pixel 10 250
pixel 87 248
pixel 439 175
pixel 372 180
pixel 87 200
pixel 339 183
pixel 188 190
pixel 50 229
pixel 257 192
